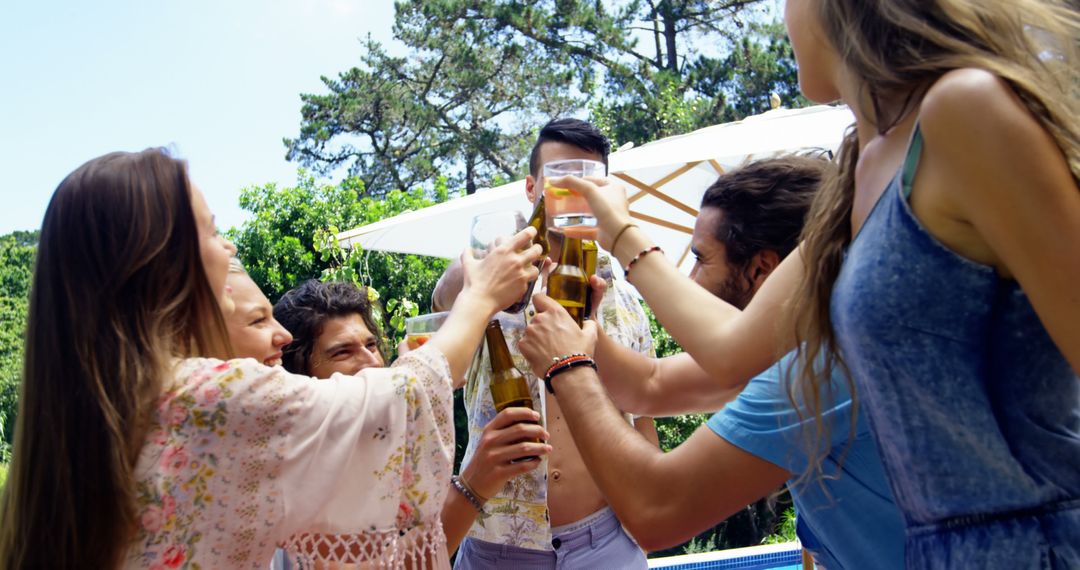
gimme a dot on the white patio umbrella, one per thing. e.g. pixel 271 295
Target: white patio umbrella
pixel 665 180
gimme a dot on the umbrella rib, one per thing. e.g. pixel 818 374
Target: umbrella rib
pixel 660 195
pixel 661 222
pixel 676 173
pixel 716 166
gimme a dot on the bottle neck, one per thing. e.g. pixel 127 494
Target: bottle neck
pixel 571 252
pixel 498 352
pixel 538 221
pixel 555 245
pixel 589 254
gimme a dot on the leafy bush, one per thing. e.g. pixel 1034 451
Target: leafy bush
pixel 17 251
pixel 786 531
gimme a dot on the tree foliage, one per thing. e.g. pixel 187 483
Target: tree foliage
pixel 480 76
pixel 17 251
pixel 289 239
pixel 464 105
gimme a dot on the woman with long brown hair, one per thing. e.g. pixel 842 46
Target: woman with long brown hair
pixel 136 446
pixel 939 267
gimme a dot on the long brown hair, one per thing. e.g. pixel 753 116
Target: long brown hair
pixel 119 291
pixel 897 49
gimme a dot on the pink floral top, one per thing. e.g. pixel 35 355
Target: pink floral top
pixel 242 458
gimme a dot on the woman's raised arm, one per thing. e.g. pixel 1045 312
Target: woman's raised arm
pixel 731 345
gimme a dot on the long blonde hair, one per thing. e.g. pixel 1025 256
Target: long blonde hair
pixel 119 291
pixel 897 49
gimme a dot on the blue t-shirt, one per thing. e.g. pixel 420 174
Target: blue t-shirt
pixel 847 518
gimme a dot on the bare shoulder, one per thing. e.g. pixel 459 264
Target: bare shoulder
pixel 986 138
pixel 976 112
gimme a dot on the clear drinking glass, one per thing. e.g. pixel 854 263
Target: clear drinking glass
pixel 488 231
pixel 418 330
pixel 491 229
pixel 568 211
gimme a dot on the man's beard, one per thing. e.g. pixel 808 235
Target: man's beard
pixel 736 290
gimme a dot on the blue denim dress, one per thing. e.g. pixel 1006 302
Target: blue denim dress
pixel 976 411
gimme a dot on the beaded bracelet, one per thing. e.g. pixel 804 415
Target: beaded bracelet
pixel 470 495
pixel 563 368
pixel 560 360
pixel 638 257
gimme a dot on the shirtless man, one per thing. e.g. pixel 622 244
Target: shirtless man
pixel 553 516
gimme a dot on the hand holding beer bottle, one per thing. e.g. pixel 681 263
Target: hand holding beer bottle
pixel 508 385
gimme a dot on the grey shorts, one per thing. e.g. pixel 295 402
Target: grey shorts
pixel 597 541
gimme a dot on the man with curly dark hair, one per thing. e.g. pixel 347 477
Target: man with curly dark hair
pixel 333 329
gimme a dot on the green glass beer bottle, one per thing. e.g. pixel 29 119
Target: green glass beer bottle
pixel 508 384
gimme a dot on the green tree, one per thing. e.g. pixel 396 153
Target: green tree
pixel 463 104
pixel 480 76
pixel 705 90
pixel 650 68
pixel 285 241
pixel 17 252
pixel 289 239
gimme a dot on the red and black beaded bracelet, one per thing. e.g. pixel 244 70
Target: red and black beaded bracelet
pixel 566 363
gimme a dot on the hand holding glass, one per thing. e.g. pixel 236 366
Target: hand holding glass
pixel 488 231
pixel 491 229
pixel 607 200
pixel 569 211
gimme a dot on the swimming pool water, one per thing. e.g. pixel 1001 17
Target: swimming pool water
pixel 768 557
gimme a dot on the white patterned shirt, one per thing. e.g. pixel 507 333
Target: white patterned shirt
pixel 518 515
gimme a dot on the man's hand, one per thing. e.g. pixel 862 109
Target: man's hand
pixel 448 287
pixel 513 434
pixel 552 333
pixel 599 287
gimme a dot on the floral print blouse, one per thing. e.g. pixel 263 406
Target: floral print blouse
pixel 242 458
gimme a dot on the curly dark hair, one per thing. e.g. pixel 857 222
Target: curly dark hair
pixel 304 310
pixel 765 204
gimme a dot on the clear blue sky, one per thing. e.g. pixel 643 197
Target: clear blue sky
pixel 220 80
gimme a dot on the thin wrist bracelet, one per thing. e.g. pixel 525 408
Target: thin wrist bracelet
pixel 465 482
pixel 615 241
pixel 559 369
pixel 467 491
